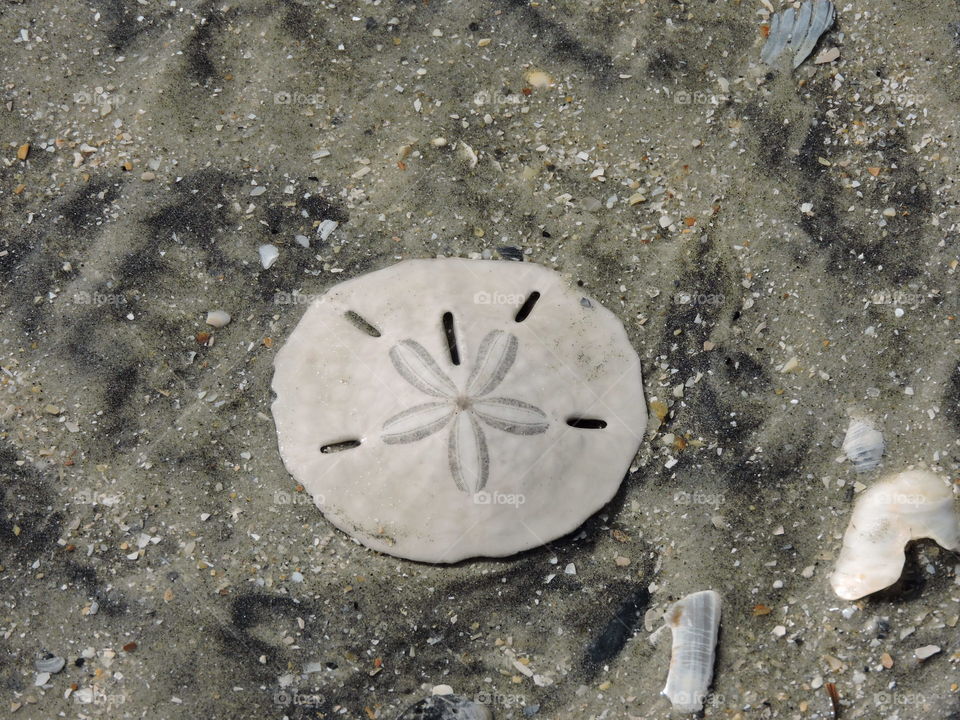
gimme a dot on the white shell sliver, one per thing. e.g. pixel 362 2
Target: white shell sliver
pixel 904 507
pixel 863 444
pixel 693 622
pixel 444 409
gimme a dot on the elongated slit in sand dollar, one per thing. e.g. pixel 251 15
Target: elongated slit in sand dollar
pixel 445 409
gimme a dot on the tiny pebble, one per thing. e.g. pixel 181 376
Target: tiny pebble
pixel 927 651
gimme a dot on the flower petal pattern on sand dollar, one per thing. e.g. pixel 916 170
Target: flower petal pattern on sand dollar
pixel 418 422
pixel 513 416
pixel 419 369
pixel 467 452
pixel 497 353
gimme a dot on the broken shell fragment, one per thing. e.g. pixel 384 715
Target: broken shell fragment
pixel 904 507
pixel 796 31
pixel 446 707
pixel 218 318
pixel 863 444
pixel 268 255
pixel 693 622
pixel 450 408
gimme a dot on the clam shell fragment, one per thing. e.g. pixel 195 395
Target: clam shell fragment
pixel 797 31
pixel 693 622
pixel 904 507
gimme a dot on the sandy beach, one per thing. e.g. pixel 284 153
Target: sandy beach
pixel 780 245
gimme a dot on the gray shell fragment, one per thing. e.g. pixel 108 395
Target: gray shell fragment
pixel 52 664
pixel 797 31
pixel 446 707
pixel 863 445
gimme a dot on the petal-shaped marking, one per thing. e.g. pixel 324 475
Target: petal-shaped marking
pixel 416 366
pixel 497 353
pixel 514 416
pixel 469 459
pixel 418 422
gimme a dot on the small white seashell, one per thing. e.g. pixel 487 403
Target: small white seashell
pixel 863 444
pixel 218 318
pixel 797 31
pixel 693 623
pixel 326 227
pixel 904 507
pixel 268 255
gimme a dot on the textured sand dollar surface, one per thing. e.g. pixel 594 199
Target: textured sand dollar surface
pixel 445 409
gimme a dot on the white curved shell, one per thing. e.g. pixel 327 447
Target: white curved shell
pixel 426 456
pixel 863 444
pixel 904 507
pixel 693 622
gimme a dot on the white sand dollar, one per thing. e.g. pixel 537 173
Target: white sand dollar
pixel 445 409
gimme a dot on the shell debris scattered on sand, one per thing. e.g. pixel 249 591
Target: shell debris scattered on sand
pixel 908 506
pixel 863 444
pixel 693 622
pixel 797 31
pixel 446 707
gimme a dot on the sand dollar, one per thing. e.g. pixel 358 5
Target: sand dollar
pixel 445 409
